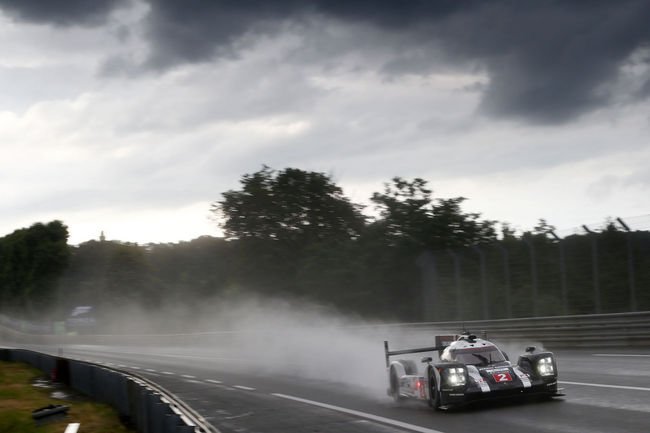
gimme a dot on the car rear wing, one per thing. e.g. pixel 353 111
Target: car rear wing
pixel 442 341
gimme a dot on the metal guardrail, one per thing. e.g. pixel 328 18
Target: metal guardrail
pixel 593 330
pixel 150 407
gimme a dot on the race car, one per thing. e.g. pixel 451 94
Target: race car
pixel 470 369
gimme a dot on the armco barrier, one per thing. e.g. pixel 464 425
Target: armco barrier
pixel 583 331
pixel 594 330
pixel 151 408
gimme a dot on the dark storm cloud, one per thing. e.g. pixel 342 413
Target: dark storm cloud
pixel 60 12
pixel 194 30
pixel 546 61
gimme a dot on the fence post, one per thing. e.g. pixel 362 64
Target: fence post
pixel 565 293
pixel 630 264
pixel 594 267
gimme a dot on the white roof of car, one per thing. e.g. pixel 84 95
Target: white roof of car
pixel 465 343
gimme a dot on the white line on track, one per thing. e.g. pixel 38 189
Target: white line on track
pixel 245 388
pixel 380 419
pixel 167 372
pixel 135 368
pixel 150 370
pixel 216 382
pixel 601 385
pixel 188 376
pixel 630 355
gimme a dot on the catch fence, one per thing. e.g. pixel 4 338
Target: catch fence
pixel 588 271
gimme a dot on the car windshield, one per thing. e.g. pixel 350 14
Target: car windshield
pixel 478 356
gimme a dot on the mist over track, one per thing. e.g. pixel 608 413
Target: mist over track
pixel 332 379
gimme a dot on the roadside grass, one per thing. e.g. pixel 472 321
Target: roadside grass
pixel 18 398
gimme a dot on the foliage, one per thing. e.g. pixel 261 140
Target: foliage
pixel 290 205
pixel 409 215
pixel 31 260
pixel 294 233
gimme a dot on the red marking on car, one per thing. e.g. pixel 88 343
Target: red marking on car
pixel 420 386
pixel 502 377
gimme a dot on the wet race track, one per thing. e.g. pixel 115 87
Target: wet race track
pixel 606 391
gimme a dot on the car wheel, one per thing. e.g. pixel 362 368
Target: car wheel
pixel 394 386
pixel 434 394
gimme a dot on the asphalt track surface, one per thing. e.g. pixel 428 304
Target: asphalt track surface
pixel 607 391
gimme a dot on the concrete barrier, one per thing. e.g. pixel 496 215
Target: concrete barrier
pixel 151 408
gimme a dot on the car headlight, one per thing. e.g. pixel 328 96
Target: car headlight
pixel 545 366
pixel 456 376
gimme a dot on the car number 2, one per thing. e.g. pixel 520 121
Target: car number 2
pixel 502 377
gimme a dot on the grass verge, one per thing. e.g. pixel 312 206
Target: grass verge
pixel 18 398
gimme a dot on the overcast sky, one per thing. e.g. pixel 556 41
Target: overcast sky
pixel 132 116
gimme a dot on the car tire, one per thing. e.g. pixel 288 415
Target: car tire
pixel 434 394
pixel 394 386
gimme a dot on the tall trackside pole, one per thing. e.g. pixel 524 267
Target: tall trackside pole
pixel 565 292
pixel 594 267
pixel 630 264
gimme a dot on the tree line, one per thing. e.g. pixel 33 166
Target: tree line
pixel 293 233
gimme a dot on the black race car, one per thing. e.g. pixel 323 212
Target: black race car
pixel 470 369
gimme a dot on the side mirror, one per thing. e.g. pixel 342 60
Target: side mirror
pixel 427 359
pixel 530 349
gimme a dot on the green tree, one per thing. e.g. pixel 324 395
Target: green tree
pixel 31 260
pixel 410 216
pixel 289 205
pixel 276 218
